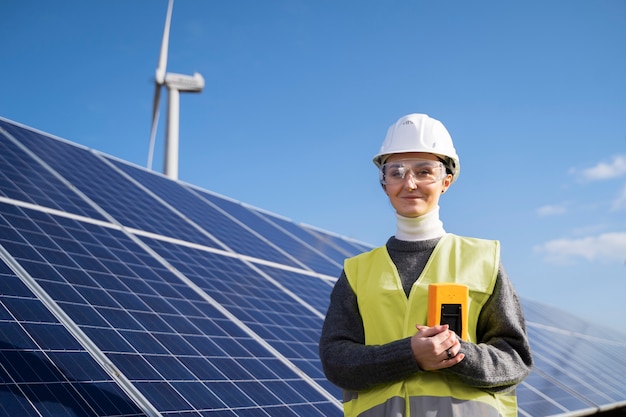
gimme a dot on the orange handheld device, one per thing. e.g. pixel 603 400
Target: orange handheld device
pixel 448 304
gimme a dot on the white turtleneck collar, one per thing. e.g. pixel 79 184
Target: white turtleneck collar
pixel 427 226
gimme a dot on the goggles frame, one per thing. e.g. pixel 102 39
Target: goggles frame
pixel 423 171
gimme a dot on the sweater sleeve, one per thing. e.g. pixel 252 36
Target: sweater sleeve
pixel 347 361
pixel 501 358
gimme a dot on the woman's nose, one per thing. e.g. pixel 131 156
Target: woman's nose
pixel 410 181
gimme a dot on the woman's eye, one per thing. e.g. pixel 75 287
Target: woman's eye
pixel 427 172
pixel 396 173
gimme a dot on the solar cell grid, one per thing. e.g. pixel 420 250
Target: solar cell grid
pixel 532 402
pixel 313 290
pixel 271 312
pixel 43 369
pixel 307 255
pixel 552 393
pixel 306 235
pixel 239 238
pixel 567 363
pixel 24 179
pixel 110 190
pixel 589 354
pixel 556 355
pixel 345 246
pixel 141 343
pixel 548 316
pixel 360 247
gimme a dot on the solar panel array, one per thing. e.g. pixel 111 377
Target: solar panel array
pixel 124 293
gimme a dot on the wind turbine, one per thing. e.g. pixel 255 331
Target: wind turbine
pixel 175 83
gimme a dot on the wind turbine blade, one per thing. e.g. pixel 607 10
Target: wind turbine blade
pixel 155 122
pixel 162 66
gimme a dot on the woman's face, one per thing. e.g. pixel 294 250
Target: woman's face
pixel 411 197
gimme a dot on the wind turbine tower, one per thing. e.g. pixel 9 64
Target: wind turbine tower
pixel 175 84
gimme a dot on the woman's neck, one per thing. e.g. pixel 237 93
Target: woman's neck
pixel 427 226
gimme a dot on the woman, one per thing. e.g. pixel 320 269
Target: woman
pixel 375 344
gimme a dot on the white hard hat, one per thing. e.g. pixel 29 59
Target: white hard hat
pixel 420 133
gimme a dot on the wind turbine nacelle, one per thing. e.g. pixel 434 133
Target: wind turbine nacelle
pixel 184 83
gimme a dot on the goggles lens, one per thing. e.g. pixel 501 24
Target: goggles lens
pixel 423 171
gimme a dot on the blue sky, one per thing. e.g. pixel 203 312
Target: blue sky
pixel 299 94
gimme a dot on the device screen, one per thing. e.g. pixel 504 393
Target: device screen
pixel 451 315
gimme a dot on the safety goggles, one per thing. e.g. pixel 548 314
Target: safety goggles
pixel 423 171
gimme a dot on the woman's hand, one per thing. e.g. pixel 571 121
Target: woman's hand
pixel 436 347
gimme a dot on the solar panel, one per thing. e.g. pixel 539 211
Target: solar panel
pixel 124 293
pixel 44 370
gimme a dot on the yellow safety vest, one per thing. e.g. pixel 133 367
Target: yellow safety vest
pixel 388 316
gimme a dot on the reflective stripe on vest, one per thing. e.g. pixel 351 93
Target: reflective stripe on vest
pixel 388 315
pixel 431 407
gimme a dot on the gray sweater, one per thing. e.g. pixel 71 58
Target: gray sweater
pixel 500 360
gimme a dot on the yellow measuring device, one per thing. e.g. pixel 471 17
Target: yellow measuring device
pixel 448 304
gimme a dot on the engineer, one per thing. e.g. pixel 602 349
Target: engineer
pixel 375 344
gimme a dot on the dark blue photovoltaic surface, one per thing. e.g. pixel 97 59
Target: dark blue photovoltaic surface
pixel 307 255
pixel 312 290
pixel 43 369
pixel 177 349
pixel 109 189
pixel 23 179
pixel 207 306
pixel 233 235
pixel 341 246
pixel 313 240
pixel 282 320
pixel 567 362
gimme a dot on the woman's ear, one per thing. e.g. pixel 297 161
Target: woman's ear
pixel 447 181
